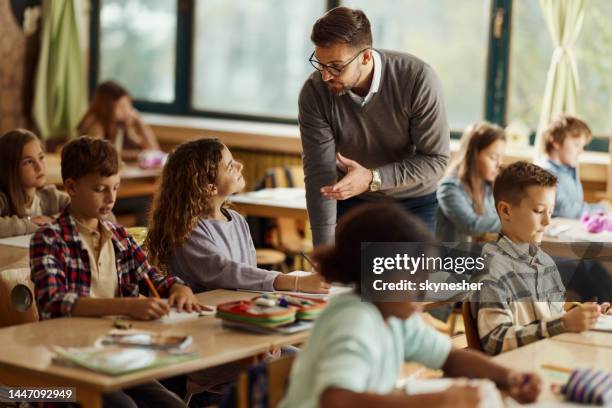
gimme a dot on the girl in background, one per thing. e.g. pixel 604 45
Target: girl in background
pixel 111 116
pixel 465 195
pixel 25 202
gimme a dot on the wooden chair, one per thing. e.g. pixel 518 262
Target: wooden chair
pixel 288 235
pixel 471 327
pixel 278 375
pixel 17 304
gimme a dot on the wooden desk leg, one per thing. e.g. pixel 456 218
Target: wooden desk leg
pixel 89 398
pixel 20 378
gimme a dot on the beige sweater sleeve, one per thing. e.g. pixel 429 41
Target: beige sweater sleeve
pixel 11 225
pixel 52 202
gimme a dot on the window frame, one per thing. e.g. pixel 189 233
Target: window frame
pixel 497 74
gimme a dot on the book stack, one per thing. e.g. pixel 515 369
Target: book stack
pixel 271 311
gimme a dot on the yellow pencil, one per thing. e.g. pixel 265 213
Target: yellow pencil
pixel 153 290
pixel 557 368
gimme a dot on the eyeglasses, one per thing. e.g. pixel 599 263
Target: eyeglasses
pixel 332 69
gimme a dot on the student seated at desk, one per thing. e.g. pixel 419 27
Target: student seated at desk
pixel 522 297
pixel 465 196
pixel 196 237
pixel 111 116
pixel 25 202
pixel 84 265
pixel 565 138
pixel 356 350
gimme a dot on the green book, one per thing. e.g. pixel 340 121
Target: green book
pixel 115 360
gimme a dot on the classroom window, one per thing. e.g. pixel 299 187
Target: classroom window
pixel 531 54
pixel 137 46
pixel 259 65
pixel 452 39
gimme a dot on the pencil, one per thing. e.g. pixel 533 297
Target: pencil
pixel 150 284
pixel 557 368
pixel 306 257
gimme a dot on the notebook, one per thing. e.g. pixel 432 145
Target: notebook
pixel 146 339
pixel 604 323
pixel 116 360
pixel 20 241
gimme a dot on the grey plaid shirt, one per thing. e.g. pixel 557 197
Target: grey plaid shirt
pixel 522 297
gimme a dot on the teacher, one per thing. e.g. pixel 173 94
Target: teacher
pixel 373 125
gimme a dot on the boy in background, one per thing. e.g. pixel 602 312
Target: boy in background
pixel 565 138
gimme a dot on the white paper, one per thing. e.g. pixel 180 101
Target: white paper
pixel 20 241
pixel 604 323
pixel 178 317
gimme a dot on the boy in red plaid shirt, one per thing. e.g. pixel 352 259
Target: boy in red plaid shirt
pixel 85 265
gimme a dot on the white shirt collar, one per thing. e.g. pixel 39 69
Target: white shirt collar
pixel 375 81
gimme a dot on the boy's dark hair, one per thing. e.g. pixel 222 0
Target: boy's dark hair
pixel 563 126
pixel 378 222
pixel 512 181
pixel 342 25
pixel 86 155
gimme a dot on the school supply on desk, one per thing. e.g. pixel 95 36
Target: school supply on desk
pixel 145 339
pixel 245 311
pixel 490 396
pixel 20 241
pixel 292 328
pixel 589 386
pixel 596 222
pixel 116 360
pixel 271 310
pixel 604 323
pixel 173 317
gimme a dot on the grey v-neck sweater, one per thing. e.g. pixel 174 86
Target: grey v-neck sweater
pixel 402 132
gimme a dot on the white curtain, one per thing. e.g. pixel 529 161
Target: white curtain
pixel 564 21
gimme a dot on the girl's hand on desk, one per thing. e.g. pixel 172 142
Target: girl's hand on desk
pixel 524 387
pixel 41 220
pixel 312 283
pixel 183 298
pixel 147 308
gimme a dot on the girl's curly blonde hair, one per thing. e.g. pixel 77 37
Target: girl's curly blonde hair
pixel 183 197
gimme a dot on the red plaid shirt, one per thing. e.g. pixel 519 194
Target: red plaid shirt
pixel 61 273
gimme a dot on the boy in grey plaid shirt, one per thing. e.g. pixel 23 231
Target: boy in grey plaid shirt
pixel 522 299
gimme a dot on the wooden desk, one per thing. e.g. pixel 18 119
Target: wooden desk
pixel 25 358
pixel 575 232
pixel 559 353
pixel 589 338
pixel 272 203
pixel 13 257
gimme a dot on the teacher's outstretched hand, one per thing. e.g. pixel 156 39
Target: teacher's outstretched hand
pixel 356 181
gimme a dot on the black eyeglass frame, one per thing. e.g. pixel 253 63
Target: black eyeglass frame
pixel 335 71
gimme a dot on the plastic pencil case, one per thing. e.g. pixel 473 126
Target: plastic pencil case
pixel 245 311
pixel 309 309
pixel 589 386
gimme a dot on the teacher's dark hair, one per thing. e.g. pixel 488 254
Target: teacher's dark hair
pixel 342 25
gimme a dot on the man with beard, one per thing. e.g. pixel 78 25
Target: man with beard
pixel 373 125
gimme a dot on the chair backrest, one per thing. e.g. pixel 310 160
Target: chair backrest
pixel 285 176
pixel 288 233
pixel 277 376
pixel 17 304
pixel 471 328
